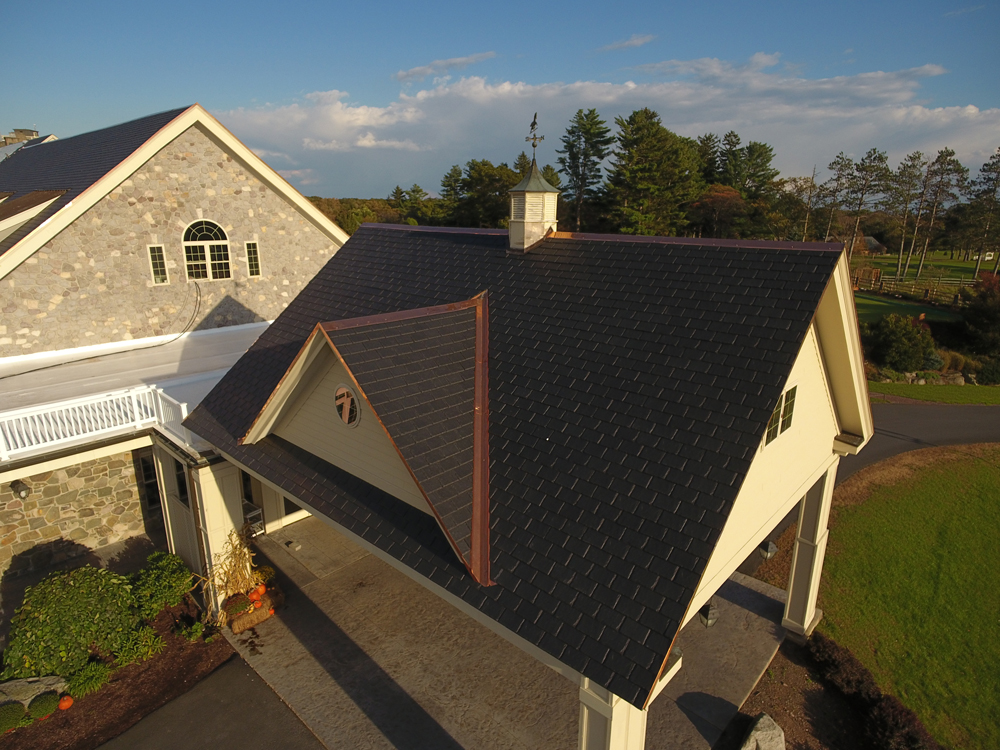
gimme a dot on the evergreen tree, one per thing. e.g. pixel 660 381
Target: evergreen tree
pixel 986 201
pixel 522 164
pixel 397 197
pixel 709 147
pixel 451 194
pixel 585 146
pixel 485 201
pixel 731 160
pixel 551 176
pixel 865 184
pixel 947 178
pixel 832 191
pixel 654 176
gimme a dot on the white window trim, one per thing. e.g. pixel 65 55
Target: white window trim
pixel 206 247
pixel 784 392
pixel 354 392
pixel 260 265
pixel 152 271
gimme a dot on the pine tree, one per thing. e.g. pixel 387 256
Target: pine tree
pixel 654 176
pixel 522 164
pixel 709 147
pixel 865 184
pixel 585 145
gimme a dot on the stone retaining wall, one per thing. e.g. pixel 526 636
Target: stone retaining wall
pixel 89 505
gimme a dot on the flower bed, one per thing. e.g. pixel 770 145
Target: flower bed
pixel 133 691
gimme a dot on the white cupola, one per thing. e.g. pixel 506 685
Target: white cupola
pixel 532 210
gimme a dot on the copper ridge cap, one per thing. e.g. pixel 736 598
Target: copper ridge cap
pixel 437 230
pixel 696 241
pixel 396 317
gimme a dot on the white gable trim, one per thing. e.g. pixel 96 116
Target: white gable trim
pixel 192 116
pixel 10 225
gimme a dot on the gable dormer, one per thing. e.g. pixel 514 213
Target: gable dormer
pixel 400 401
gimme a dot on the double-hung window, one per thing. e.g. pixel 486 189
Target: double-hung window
pixel 206 251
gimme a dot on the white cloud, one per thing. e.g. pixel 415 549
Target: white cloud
pixel 963 11
pixel 360 150
pixel 636 40
pixel 442 66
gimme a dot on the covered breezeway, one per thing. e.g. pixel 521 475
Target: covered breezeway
pixel 367 657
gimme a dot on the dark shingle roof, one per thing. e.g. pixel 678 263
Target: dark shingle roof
pixel 419 376
pixel 631 380
pixel 73 164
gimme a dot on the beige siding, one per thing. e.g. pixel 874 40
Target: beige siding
pixel 781 472
pixel 365 450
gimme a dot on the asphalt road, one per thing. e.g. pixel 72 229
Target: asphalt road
pixel 906 427
pixel 218 711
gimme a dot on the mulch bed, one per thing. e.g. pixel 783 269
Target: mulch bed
pixel 812 715
pixel 133 692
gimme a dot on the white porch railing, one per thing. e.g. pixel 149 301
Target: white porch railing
pixel 39 429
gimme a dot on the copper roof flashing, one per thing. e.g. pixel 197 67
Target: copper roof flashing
pixel 454 522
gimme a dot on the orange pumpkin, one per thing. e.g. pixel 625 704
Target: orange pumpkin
pixel 261 589
pixel 271 611
pixel 255 596
pixel 65 702
pixel 257 604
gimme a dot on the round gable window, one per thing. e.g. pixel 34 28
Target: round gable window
pixel 347 406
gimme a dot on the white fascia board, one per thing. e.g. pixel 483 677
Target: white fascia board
pixel 836 323
pixel 194 115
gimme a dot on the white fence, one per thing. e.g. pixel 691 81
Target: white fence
pixel 38 429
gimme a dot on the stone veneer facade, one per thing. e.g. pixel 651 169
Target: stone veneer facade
pixel 92 283
pixel 92 504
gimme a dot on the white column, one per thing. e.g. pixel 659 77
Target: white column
pixel 608 722
pixel 219 506
pixel 801 614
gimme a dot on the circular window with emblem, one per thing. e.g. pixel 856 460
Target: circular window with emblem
pixel 346 403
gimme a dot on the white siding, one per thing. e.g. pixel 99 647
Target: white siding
pixel 365 450
pixel 781 472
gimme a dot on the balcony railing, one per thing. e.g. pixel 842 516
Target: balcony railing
pixel 39 429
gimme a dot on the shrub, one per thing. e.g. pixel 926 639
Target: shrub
pixel 42 705
pixel 91 678
pixel 140 645
pixel 191 632
pixel 989 373
pixel 982 314
pixel 889 725
pixel 840 668
pixel 900 343
pixel 162 583
pixel 66 616
pixel 13 715
pixel 933 360
pixel 892 726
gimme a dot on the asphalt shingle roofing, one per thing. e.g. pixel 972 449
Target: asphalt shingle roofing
pixel 419 376
pixel 72 164
pixel 631 380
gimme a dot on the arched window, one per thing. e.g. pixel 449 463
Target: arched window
pixel 206 251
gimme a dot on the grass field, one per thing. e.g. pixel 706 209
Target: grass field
pixel 871 307
pixel 941 394
pixel 912 586
pixel 935 263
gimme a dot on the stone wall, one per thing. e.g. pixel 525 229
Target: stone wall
pixel 93 283
pixel 91 504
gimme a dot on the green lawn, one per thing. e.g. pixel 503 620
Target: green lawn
pixel 942 394
pixel 935 263
pixel 912 586
pixel 871 307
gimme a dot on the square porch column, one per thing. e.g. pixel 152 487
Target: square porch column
pixel 608 722
pixel 801 615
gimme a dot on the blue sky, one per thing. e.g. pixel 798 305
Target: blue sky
pixel 350 99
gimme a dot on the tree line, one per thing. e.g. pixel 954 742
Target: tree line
pixel 644 179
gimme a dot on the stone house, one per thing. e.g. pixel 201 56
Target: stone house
pixel 573 439
pixel 137 263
